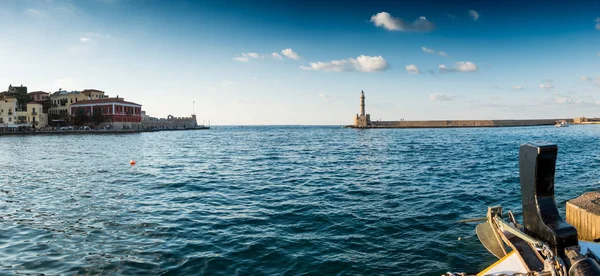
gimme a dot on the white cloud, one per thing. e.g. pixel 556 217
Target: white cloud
pixel 241 59
pixel 432 51
pixel 439 97
pixel 561 99
pixel 289 53
pixel 474 14
pixel 413 69
pixel 386 21
pixel 546 85
pixel 84 39
pixel 595 80
pixel 276 56
pixel 518 87
pixel 65 83
pixel 466 66
pixel 361 63
pixel 34 12
pixel 245 57
pixel 327 96
pixel 427 50
pixel 597 23
pixel 461 66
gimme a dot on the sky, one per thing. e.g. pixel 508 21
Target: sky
pixel 267 62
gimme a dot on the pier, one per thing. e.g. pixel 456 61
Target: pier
pixel 363 121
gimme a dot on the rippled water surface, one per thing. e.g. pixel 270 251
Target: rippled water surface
pixel 268 200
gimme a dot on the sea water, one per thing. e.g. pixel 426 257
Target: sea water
pixel 268 200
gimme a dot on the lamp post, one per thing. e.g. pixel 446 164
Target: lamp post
pixel 194 108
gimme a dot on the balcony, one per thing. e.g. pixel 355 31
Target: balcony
pixel 34 113
pixel 10 113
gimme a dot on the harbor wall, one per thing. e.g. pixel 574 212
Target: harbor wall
pixel 461 123
pixel 169 123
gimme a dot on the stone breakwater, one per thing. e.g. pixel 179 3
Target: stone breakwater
pixel 460 123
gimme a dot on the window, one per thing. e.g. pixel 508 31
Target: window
pixel 9 119
pixel 1 120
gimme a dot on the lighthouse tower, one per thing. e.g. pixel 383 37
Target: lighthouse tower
pixel 363 119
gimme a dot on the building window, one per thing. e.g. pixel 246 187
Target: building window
pixel 9 119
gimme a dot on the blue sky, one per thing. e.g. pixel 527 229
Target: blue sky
pixel 278 62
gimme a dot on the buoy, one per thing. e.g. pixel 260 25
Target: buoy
pixel 132 162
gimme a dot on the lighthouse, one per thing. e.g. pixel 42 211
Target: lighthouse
pixel 362 103
pixel 362 119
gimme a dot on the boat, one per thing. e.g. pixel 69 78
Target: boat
pixel 562 123
pixel 544 244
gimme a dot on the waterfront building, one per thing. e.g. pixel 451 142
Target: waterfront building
pixel 8 112
pixel 17 89
pixel 113 110
pixel 38 96
pixel 35 116
pixel 11 117
pixel 93 94
pixel 62 100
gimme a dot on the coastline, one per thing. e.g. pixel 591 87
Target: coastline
pixel 82 132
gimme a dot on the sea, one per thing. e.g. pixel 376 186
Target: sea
pixel 269 200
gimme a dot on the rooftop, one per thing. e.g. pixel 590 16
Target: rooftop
pixel 64 92
pixel 92 90
pixel 37 92
pixel 105 100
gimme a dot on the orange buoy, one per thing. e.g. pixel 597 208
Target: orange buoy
pixel 132 162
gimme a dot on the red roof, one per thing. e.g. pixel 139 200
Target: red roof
pixel 104 100
pixel 38 92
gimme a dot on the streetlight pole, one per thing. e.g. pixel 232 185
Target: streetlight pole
pixel 194 108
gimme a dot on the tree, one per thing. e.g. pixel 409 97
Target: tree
pixel 80 117
pixel 47 104
pixel 22 100
pixel 97 117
